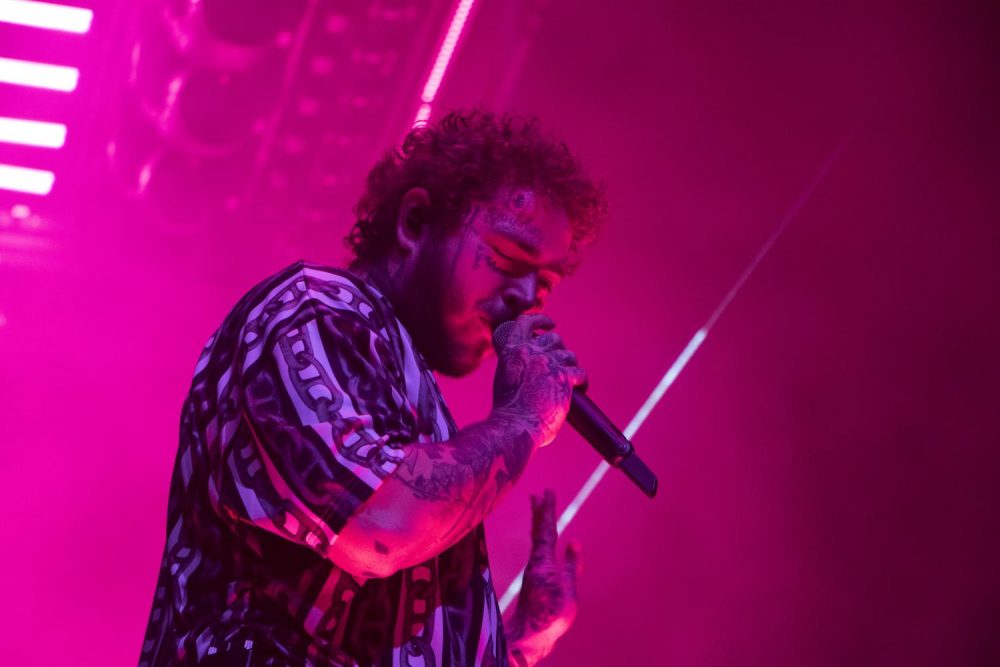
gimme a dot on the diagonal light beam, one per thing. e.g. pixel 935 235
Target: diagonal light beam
pixel 443 59
pixel 699 337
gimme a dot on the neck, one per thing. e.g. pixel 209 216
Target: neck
pixel 417 306
pixel 383 273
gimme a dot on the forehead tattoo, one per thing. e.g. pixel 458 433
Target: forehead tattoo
pixel 515 216
pixel 520 199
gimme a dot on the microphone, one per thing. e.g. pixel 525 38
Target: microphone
pixel 590 422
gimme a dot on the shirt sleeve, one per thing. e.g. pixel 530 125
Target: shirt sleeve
pixel 324 415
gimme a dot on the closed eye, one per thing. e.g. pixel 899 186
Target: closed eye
pixel 502 254
pixel 515 264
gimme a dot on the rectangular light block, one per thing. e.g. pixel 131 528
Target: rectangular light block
pixel 46 15
pixel 32 133
pixel 23 179
pixel 38 75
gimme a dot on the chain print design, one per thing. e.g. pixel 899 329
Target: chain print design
pixel 297 410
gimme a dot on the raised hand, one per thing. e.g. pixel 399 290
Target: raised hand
pixel 547 604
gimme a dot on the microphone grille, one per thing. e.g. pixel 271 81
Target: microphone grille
pixel 501 333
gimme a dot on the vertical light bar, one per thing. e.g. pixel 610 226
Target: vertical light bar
pixel 455 29
pixel 23 179
pixel 38 75
pixel 46 15
pixel 32 133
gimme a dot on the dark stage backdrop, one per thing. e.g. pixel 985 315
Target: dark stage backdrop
pixel 828 459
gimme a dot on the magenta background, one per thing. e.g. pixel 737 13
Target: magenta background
pixel 828 460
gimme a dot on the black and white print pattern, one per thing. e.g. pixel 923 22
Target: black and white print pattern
pixel 298 410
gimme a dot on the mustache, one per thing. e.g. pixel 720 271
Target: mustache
pixel 494 318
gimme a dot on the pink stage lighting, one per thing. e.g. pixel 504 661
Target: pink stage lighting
pixel 423 114
pixel 38 75
pixel 46 15
pixel 32 133
pixel 443 59
pixel 23 179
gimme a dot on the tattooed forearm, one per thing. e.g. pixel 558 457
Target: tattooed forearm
pixel 469 473
pixel 530 399
pixel 438 493
pixel 442 490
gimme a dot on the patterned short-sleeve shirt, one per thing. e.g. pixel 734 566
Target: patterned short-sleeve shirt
pixel 300 406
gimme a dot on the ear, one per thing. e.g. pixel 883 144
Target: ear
pixel 411 227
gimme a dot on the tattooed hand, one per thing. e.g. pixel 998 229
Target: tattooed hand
pixel 546 606
pixel 535 377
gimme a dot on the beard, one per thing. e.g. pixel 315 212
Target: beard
pixel 426 316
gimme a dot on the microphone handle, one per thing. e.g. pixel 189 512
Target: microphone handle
pixel 589 421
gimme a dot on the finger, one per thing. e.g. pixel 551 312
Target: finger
pixel 577 377
pixel 574 564
pixel 549 502
pixel 543 526
pixel 574 558
pixel 525 325
pixel 564 357
pixel 550 340
pixel 536 321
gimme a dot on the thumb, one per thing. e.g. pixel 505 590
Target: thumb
pixel 574 562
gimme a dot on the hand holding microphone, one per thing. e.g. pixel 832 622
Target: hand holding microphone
pixel 535 375
pixel 537 378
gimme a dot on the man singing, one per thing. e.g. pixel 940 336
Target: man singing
pixel 324 507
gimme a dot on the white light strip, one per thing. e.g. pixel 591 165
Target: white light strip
pixel 603 467
pixel 22 179
pixel 38 75
pixel 32 133
pixel 443 59
pixel 46 15
pixel 668 379
pixel 581 497
pixel 446 51
pixel 423 114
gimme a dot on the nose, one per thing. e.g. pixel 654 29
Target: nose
pixel 521 294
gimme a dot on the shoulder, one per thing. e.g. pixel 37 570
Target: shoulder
pixel 307 290
pixel 321 306
pixel 306 306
